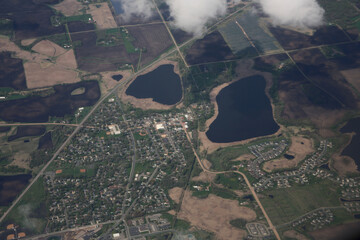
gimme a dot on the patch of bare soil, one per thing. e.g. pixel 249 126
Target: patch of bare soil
pixel 244 157
pixel 352 76
pixel 102 15
pixel 48 48
pixel 295 235
pixel 300 148
pixel 69 7
pixel 27 42
pixel 22 160
pixel 204 177
pixel 344 165
pixel 345 231
pixel 107 82
pixel 148 103
pixel 175 194
pixel 214 214
pixel 67 60
pixel 244 69
pixel 172 212
pixel 48 74
pixel 39 71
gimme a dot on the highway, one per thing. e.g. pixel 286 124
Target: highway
pixel 112 91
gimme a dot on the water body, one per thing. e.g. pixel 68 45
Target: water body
pixel 117 6
pixel 289 157
pixel 11 187
pixel 117 77
pixel 244 112
pixel 352 150
pixel 163 85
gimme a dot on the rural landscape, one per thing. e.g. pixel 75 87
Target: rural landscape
pixel 179 119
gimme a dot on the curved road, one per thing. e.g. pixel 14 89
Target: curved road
pixel 272 227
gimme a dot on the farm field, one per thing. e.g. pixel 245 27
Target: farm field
pixel 284 205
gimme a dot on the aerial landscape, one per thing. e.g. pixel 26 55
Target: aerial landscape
pixel 180 119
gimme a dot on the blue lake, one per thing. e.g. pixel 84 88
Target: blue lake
pixel 244 112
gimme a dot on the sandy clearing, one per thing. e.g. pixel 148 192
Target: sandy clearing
pixel 244 157
pixel 27 42
pixel 204 177
pixel 344 164
pixel 48 74
pixel 175 194
pixel 243 70
pixel 67 60
pixel 102 15
pixel 214 214
pixel 39 71
pixel 22 160
pixel 148 103
pixel 352 76
pixel 7 45
pixel 172 212
pixel 300 147
pixel 48 48
pixel 294 234
pixel 69 7
pixel 107 82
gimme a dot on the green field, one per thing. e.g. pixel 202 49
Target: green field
pixel 229 180
pixel 220 159
pixel 31 211
pixel 340 12
pixel 290 203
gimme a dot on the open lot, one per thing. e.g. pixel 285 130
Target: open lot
pixel 299 149
pixel 48 48
pixel 69 7
pixel 214 214
pixel 352 76
pixel 40 70
pixel 102 15
pixel 284 205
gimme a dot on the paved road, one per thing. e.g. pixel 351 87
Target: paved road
pixel 79 126
pixel 37 124
pixel 272 227
pixel 67 141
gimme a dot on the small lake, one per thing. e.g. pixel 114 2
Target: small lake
pixel 117 6
pixel 352 150
pixel 163 85
pixel 244 112
pixel 11 187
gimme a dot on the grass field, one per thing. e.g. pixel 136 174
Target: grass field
pixel 30 212
pixel 221 158
pixel 289 203
pixel 341 12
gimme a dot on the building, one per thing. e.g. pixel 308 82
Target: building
pixel 114 129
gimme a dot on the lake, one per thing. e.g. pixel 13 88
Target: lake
pixel 163 85
pixel 244 112
pixel 117 6
pixel 352 150
pixel 11 187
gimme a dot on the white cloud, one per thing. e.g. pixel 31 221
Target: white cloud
pixel 192 15
pixel 295 13
pixel 141 8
